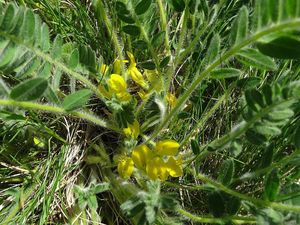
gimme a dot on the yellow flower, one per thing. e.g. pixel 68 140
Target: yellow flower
pixel 156 169
pixel 117 85
pixel 167 147
pixel 171 99
pixel 140 155
pixel 133 130
pixel 135 74
pixel 117 65
pixel 174 167
pixel 104 69
pixel 125 167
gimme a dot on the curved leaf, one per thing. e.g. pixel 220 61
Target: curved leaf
pixel 29 90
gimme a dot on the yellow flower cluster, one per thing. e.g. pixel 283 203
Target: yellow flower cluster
pixel 147 81
pixel 158 163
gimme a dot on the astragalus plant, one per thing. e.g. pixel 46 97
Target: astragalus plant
pixel 150 112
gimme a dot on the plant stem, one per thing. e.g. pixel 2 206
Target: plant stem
pixel 210 219
pixel 58 110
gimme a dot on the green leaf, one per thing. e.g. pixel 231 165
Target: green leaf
pixel 297 137
pixel 226 172
pixel 76 100
pixel 74 59
pixel 267 130
pixel 45 70
pixel 213 50
pixel 283 47
pixel 51 96
pixel 133 206
pixel 148 65
pixel 267 93
pixel 8 17
pixel 99 188
pixel 56 50
pixel 142 6
pixel 248 82
pixel 164 62
pixel 216 204
pixel 140 44
pixel 45 40
pixel 281 114
pixel 178 5
pixel 28 67
pixel 256 59
pixel 131 30
pixel 255 138
pixel 262 13
pixel 267 156
pixel 272 185
pixel 158 39
pixel 4 89
pixel 7 53
pixel 28 27
pixel 127 18
pixel 225 73
pixel 92 202
pixel 195 147
pixel 232 203
pixel 257 97
pixel 239 29
pixel 29 90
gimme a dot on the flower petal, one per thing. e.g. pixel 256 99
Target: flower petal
pixel 131 58
pixel 137 76
pixel 133 130
pixel 167 147
pixel 117 65
pixel 117 84
pixel 125 167
pixel 140 155
pixel 174 167
pixel 156 169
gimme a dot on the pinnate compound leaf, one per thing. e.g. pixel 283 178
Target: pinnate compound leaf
pixel 76 100
pixel 256 59
pixel 29 90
